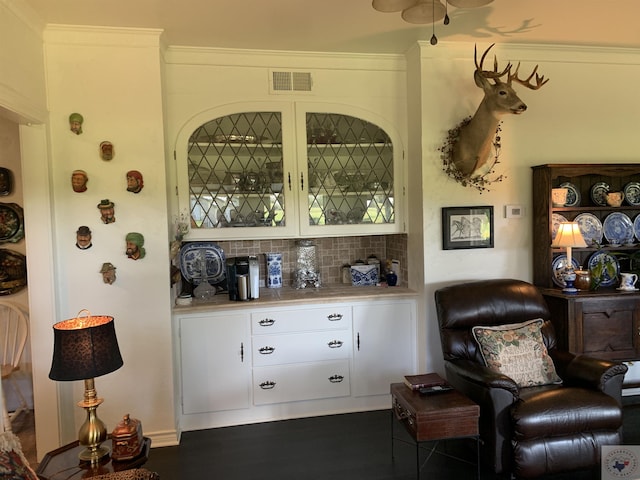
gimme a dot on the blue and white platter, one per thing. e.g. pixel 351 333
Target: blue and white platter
pixel 558 265
pixel 190 262
pixel 573 194
pixel 632 193
pixel 590 227
pixel 618 228
pixel 364 275
pixel 610 267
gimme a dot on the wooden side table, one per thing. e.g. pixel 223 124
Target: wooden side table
pixel 434 417
pixel 63 463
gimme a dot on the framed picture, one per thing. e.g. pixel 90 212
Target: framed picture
pixel 467 227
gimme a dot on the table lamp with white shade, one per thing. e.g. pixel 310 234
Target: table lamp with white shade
pixel 569 236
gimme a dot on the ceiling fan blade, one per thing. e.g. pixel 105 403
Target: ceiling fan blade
pixel 469 3
pixel 388 6
pixel 425 11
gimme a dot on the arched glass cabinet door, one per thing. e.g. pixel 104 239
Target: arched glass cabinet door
pixel 350 171
pixel 235 171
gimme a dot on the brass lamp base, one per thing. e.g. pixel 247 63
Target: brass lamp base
pixel 93 431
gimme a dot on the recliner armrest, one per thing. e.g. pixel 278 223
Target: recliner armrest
pixel 590 372
pixel 481 376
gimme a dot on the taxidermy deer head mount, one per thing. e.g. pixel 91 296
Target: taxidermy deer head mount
pixel 471 153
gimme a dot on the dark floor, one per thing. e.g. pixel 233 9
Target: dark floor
pixel 338 447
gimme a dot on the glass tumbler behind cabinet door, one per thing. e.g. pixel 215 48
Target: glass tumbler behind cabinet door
pixel 350 171
pixel 235 168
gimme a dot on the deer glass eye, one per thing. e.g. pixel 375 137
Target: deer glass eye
pixel 502 92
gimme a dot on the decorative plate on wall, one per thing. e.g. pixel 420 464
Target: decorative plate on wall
pixel 11 223
pixel 13 271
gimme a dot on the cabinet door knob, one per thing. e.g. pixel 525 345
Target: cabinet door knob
pixel 268 385
pixel 334 317
pixel 336 378
pixel 335 344
pixel 267 322
pixel 266 350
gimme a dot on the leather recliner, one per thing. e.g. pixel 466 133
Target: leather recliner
pixel 533 431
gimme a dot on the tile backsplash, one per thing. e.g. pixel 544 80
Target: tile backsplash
pixel 332 253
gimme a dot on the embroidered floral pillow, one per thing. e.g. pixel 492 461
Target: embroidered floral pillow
pixel 13 464
pixel 517 351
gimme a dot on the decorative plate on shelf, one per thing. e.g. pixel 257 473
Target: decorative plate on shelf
pixel 556 220
pixel 618 228
pixel 632 193
pixel 190 262
pixel 573 194
pixel 605 267
pixel 636 227
pixel 590 227
pixel 11 223
pixel 599 194
pixel 558 265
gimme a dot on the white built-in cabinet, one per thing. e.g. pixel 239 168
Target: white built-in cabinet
pixel 215 365
pixel 289 169
pixel 384 344
pixel 248 365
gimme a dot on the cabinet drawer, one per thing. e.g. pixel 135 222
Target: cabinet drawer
pixel 301 381
pixel 301 347
pixel 298 320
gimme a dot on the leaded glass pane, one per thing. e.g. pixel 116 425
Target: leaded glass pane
pixel 235 171
pixel 350 171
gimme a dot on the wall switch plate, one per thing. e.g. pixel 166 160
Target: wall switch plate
pixel 514 211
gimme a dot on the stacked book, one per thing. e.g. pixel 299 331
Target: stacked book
pixel 427 383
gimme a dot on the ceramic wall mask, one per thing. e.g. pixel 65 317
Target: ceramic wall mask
pixel 83 238
pixel 75 123
pixel 135 246
pixel 79 181
pixel 135 182
pixel 107 211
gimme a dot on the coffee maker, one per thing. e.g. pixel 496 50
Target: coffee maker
pixel 243 278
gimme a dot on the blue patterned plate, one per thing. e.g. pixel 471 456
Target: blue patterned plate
pixel 599 194
pixel 636 227
pixel 573 194
pixel 190 259
pixel 632 193
pixel 618 228
pixel 590 227
pixel 558 265
pixel 605 264
pixel 556 220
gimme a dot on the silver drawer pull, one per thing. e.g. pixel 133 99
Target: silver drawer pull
pixel 266 350
pixel 334 317
pixel 335 344
pixel 336 378
pixel 268 385
pixel 267 322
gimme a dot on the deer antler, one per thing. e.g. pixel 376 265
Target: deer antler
pixel 488 73
pixel 540 81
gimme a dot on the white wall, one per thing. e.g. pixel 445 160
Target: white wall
pixel 113 78
pixel 588 113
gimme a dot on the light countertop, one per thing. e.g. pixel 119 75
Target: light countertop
pixel 273 297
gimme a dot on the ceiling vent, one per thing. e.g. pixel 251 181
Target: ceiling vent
pixel 283 82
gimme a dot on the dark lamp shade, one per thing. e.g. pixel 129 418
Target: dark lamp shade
pixel 84 347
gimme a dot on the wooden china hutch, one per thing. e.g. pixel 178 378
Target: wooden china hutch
pixel 603 322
